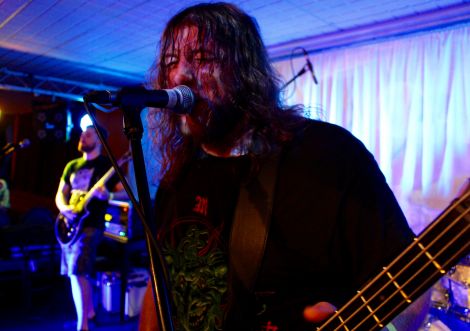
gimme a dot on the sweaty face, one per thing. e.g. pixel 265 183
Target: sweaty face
pixel 88 141
pixel 194 64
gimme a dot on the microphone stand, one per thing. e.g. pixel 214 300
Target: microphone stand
pixel 8 149
pixel 300 73
pixel 133 129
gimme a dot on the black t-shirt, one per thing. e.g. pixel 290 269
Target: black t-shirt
pixel 195 234
pixel 335 223
pixel 81 175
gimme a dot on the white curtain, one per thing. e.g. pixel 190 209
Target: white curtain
pixel 408 101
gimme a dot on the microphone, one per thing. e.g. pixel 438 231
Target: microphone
pixel 180 98
pixel 310 66
pixel 11 147
pixel 24 143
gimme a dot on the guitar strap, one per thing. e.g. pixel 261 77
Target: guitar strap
pixel 251 222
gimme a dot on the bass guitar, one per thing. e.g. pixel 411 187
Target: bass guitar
pixel 438 248
pixel 67 229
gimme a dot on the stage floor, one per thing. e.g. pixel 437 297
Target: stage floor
pixel 50 308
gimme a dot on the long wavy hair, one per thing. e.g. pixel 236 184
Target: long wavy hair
pixel 247 75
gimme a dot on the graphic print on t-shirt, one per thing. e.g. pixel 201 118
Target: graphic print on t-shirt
pixel 80 182
pixel 198 272
pixel 195 216
pixel 200 207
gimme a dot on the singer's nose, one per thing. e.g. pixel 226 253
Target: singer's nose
pixel 182 74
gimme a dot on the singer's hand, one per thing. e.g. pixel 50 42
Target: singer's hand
pixel 319 312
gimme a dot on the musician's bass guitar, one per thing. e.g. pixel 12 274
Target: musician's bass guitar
pixel 439 247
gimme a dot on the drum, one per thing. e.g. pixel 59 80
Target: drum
pixel 458 285
pixel 440 295
pixel 451 294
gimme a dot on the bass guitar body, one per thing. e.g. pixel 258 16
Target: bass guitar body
pixel 67 230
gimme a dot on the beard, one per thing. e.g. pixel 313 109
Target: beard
pixel 221 124
pixel 85 148
pixel 216 123
pixel 214 119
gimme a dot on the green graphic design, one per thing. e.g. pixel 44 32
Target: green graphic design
pixel 199 281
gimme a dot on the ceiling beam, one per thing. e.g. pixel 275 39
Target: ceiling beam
pixel 44 85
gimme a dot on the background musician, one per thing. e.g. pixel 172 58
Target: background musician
pixel 78 257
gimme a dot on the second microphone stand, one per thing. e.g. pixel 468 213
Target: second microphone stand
pixel 300 73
